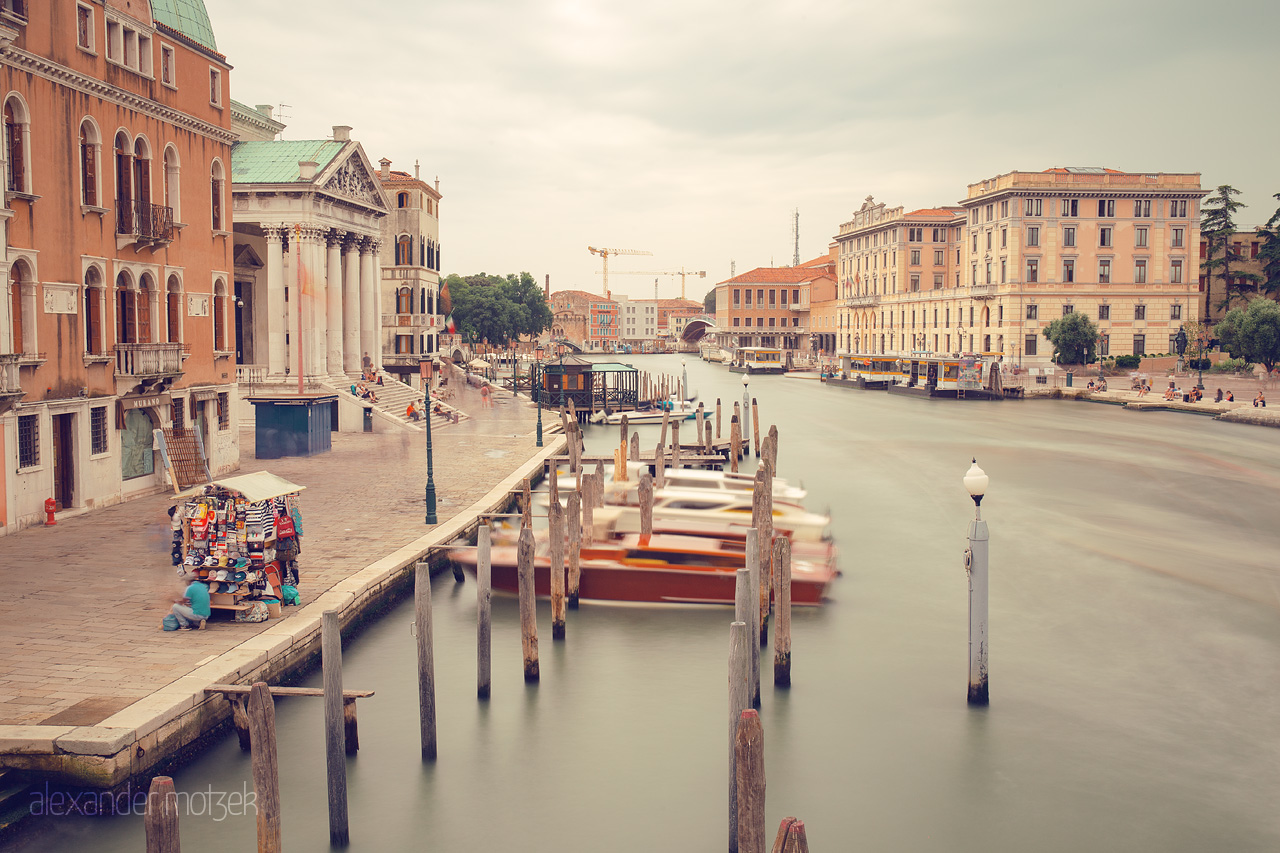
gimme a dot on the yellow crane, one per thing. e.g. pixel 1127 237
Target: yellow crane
pixel 605 253
pixel 682 272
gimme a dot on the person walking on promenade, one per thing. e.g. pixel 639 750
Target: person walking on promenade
pixel 192 609
pixel 485 399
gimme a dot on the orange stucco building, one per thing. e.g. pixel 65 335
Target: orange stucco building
pixel 116 151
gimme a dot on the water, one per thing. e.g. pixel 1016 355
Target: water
pixel 1135 637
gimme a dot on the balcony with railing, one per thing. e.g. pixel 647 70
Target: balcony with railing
pixel 10 383
pixel 148 363
pixel 410 322
pixel 140 221
pixel 862 300
pixel 983 291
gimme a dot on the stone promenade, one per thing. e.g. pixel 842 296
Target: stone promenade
pixel 81 604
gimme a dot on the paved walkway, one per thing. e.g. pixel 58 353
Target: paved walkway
pixel 81 604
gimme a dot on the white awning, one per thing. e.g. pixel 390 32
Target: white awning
pixel 479 362
pixel 258 486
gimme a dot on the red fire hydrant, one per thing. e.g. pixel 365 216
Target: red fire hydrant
pixel 49 506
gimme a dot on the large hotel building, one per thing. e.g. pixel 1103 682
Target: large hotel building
pixel 1021 249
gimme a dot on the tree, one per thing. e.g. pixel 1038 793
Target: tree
pixel 1074 338
pixel 1217 225
pixel 496 309
pixel 709 301
pixel 1269 255
pixel 1252 333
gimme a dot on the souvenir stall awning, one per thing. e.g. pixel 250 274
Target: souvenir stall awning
pixel 255 487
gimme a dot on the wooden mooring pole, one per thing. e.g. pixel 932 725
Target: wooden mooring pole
pixel 717 418
pixel 646 504
pixel 426 660
pixel 755 424
pixel 660 467
pixel 675 444
pixel 773 450
pixel 266 770
pixel 556 540
pixel 753 574
pixel 161 821
pixel 707 447
pixel 526 509
pixel 749 752
pixel 791 837
pixel 484 596
pixel 739 701
pixel 334 735
pixel 574 516
pixel 782 608
pixel 735 443
pixel 528 611
pixel 635 447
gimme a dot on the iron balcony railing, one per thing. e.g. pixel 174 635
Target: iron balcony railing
pixel 141 219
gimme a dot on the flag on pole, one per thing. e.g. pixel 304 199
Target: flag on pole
pixel 450 325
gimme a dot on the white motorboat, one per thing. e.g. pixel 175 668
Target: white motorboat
pixel 675 410
pixel 681 479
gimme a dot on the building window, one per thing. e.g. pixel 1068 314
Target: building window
pixel 1139 272
pixel 1175 313
pixel 759 296
pixel 1033 270
pixel 1067 309
pixel 1004 209
pixel 1178 209
pixel 402 200
pixel 93 344
pixel 1104 312
pixel 215 194
pixel 224 410
pixel 1176 240
pixel 915 235
pixel 937 258
pixel 988 241
pixel 90 152
pixel 1071 207
pixel 748 322
pixel 1004 270
pixel 735 321
pixel 1140 238
pixel 937 281
pixel 915 257
pixel 98 429
pixel 1104 271
pixel 1068 271
pixel 1069 236
pixel 1106 208
pixel 1104 236
pixel 1139 344
pixel 84 27
pixel 404 254
pixel 168 67
pixel 1033 236
pixel 1033 312
pixel 771 322
pixel 736 298
pixel 988 272
pixel 1142 208
pixel 1139 312
pixel 1175 272
pixel 1029 345
pixel 28 441
pixel 17 131
pixel 939 235
pixel 219 316
pixel 177 411
pixel 1033 207
pixel 215 87
pixel 773 299
pixel 991 212
pixel 915 283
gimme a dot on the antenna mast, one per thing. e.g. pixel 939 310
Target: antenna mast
pixel 795 232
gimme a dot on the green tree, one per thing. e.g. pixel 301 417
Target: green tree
pixel 1269 255
pixel 531 311
pixel 1074 338
pixel 496 309
pixel 1217 225
pixel 709 302
pixel 1253 332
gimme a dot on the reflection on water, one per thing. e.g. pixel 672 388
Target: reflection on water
pixel 1135 635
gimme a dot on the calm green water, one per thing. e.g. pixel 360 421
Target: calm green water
pixel 1135 641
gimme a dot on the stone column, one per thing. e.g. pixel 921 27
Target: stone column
pixel 294 285
pixel 277 320
pixel 317 302
pixel 369 320
pixel 334 309
pixel 377 305
pixel 351 306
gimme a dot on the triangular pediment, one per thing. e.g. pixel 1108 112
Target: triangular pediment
pixel 247 257
pixel 353 178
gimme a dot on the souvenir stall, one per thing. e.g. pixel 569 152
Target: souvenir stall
pixel 242 536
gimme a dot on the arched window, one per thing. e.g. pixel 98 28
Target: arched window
pixel 219 316
pixel 142 172
pixel 404 251
pixel 90 148
pixel 146 292
pixel 402 200
pixel 17 130
pixel 172 185
pixel 126 309
pixel 173 309
pixel 93 312
pixel 404 301
pixel 215 194
pixel 18 284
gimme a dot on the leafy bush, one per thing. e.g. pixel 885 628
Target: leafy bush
pixel 1128 362
pixel 1231 365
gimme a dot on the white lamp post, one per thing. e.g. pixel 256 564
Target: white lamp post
pixel 975 481
pixel 746 400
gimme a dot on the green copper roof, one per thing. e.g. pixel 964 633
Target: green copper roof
pixel 187 17
pixel 276 162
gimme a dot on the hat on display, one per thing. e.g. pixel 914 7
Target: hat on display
pixel 239 576
pixel 210 561
pixel 222 575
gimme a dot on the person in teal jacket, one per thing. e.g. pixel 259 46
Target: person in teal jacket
pixel 192 609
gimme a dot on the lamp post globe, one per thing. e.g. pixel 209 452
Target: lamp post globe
pixel 975 483
pixel 535 387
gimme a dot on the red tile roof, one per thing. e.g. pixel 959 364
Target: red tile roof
pixel 948 212
pixel 777 275
pixel 1060 170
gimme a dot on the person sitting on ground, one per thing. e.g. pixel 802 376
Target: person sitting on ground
pixel 1090 384
pixel 1218 397
pixel 412 412
pixel 1196 395
pixel 1231 398
pixel 1260 400
pixel 1102 384
pixel 1144 390
pixel 192 609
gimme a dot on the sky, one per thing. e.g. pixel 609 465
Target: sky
pixel 696 129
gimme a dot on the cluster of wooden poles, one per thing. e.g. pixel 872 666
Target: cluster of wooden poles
pixel 660 388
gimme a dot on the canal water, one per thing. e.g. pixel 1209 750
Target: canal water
pixel 1135 641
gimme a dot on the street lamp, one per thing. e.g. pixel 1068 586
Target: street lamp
pixel 746 398
pixel 537 375
pixel 430 495
pixel 561 346
pixel 1202 339
pixel 975 563
pixel 515 392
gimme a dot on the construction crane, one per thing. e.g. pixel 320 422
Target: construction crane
pixel 682 272
pixel 605 253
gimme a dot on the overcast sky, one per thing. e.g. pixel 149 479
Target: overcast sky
pixel 694 129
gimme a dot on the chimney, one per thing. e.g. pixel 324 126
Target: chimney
pixel 341 133
pixel 417 171
pixel 307 170
pixel 265 109
pixel 385 171
pixel 546 288
pixel 437 183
